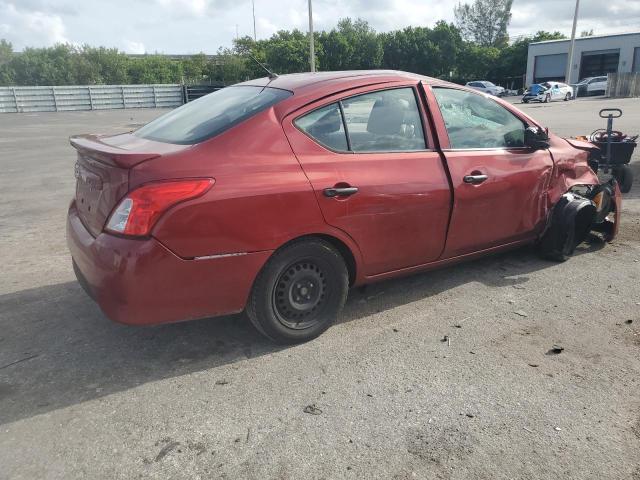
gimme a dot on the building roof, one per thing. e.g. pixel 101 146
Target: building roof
pixel 590 37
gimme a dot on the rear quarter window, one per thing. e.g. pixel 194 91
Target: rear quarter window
pixel 211 115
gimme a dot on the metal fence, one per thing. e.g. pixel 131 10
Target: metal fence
pixel 88 97
pixel 623 85
pixel 193 92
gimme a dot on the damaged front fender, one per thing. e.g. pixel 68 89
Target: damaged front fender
pixel 571 159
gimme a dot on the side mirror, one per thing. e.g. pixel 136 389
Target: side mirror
pixel 536 138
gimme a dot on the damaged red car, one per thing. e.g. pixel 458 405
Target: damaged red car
pixel 276 195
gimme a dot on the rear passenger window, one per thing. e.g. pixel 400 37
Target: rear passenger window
pixel 384 121
pixel 325 125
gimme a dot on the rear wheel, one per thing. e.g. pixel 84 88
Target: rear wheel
pixel 547 98
pixel 299 292
pixel 625 178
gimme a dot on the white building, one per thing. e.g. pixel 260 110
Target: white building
pixel 592 56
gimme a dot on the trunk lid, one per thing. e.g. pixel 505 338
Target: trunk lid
pixel 102 172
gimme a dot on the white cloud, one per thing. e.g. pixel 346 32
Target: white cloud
pixel 190 7
pixel 265 28
pixel 30 28
pixel 191 26
pixel 131 46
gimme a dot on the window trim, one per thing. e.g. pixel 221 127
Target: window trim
pixel 421 112
pixel 475 149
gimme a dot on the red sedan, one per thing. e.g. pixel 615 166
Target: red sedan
pixel 276 195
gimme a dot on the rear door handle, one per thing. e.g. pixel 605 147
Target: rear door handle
pixel 475 179
pixel 339 191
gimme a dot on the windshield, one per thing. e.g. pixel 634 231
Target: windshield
pixel 489 84
pixel 210 115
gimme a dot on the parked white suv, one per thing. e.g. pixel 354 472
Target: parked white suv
pixel 486 87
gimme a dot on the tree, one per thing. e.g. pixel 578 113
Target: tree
pixel 154 69
pixel 511 64
pixel 6 54
pixel 477 62
pixel 288 52
pixel 195 68
pixel 351 45
pixel 484 22
pixel 586 33
pixel 112 65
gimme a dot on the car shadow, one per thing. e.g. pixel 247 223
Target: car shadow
pixel 57 349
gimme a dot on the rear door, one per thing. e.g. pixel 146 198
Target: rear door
pixel 375 173
pixel 499 184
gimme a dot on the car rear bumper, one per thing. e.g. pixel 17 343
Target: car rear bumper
pixel 141 282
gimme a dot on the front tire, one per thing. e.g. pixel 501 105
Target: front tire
pixel 567 97
pixel 547 98
pixel 299 292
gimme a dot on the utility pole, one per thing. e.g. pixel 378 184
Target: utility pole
pixel 567 77
pixel 312 55
pixel 253 8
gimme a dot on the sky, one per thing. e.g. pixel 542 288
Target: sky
pixel 192 26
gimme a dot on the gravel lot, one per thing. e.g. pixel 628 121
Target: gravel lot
pixel 81 397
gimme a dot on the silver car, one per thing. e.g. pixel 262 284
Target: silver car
pixel 486 87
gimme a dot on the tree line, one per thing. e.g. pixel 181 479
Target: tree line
pixel 473 48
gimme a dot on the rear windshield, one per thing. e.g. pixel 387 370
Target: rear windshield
pixel 210 115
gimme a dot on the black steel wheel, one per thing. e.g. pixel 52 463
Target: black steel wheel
pixel 299 292
pixel 299 297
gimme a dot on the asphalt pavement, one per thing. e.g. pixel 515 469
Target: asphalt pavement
pixel 380 395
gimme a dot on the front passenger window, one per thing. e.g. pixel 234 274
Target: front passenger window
pixel 473 121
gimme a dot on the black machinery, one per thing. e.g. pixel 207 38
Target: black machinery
pixel 617 149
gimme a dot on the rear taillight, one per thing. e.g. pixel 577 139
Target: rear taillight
pixel 137 212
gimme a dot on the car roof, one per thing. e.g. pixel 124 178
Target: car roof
pixel 308 87
pixel 298 82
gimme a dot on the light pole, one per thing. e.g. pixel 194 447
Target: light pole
pixel 253 9
pixel 567 77
pixel 312 55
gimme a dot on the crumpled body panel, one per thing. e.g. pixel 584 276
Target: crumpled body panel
pixel 571 168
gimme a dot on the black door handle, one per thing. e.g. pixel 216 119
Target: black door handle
pixel 339 191
pixel 475 179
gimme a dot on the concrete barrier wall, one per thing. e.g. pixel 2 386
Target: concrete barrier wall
pixel 623 85
pixel 88 97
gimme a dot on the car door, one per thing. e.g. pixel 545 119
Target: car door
pixel 498 184
pixel 370 159
pixel 597 84
pixel 556 92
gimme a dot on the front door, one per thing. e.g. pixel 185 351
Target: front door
pixel 375 174
pixel 499 185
